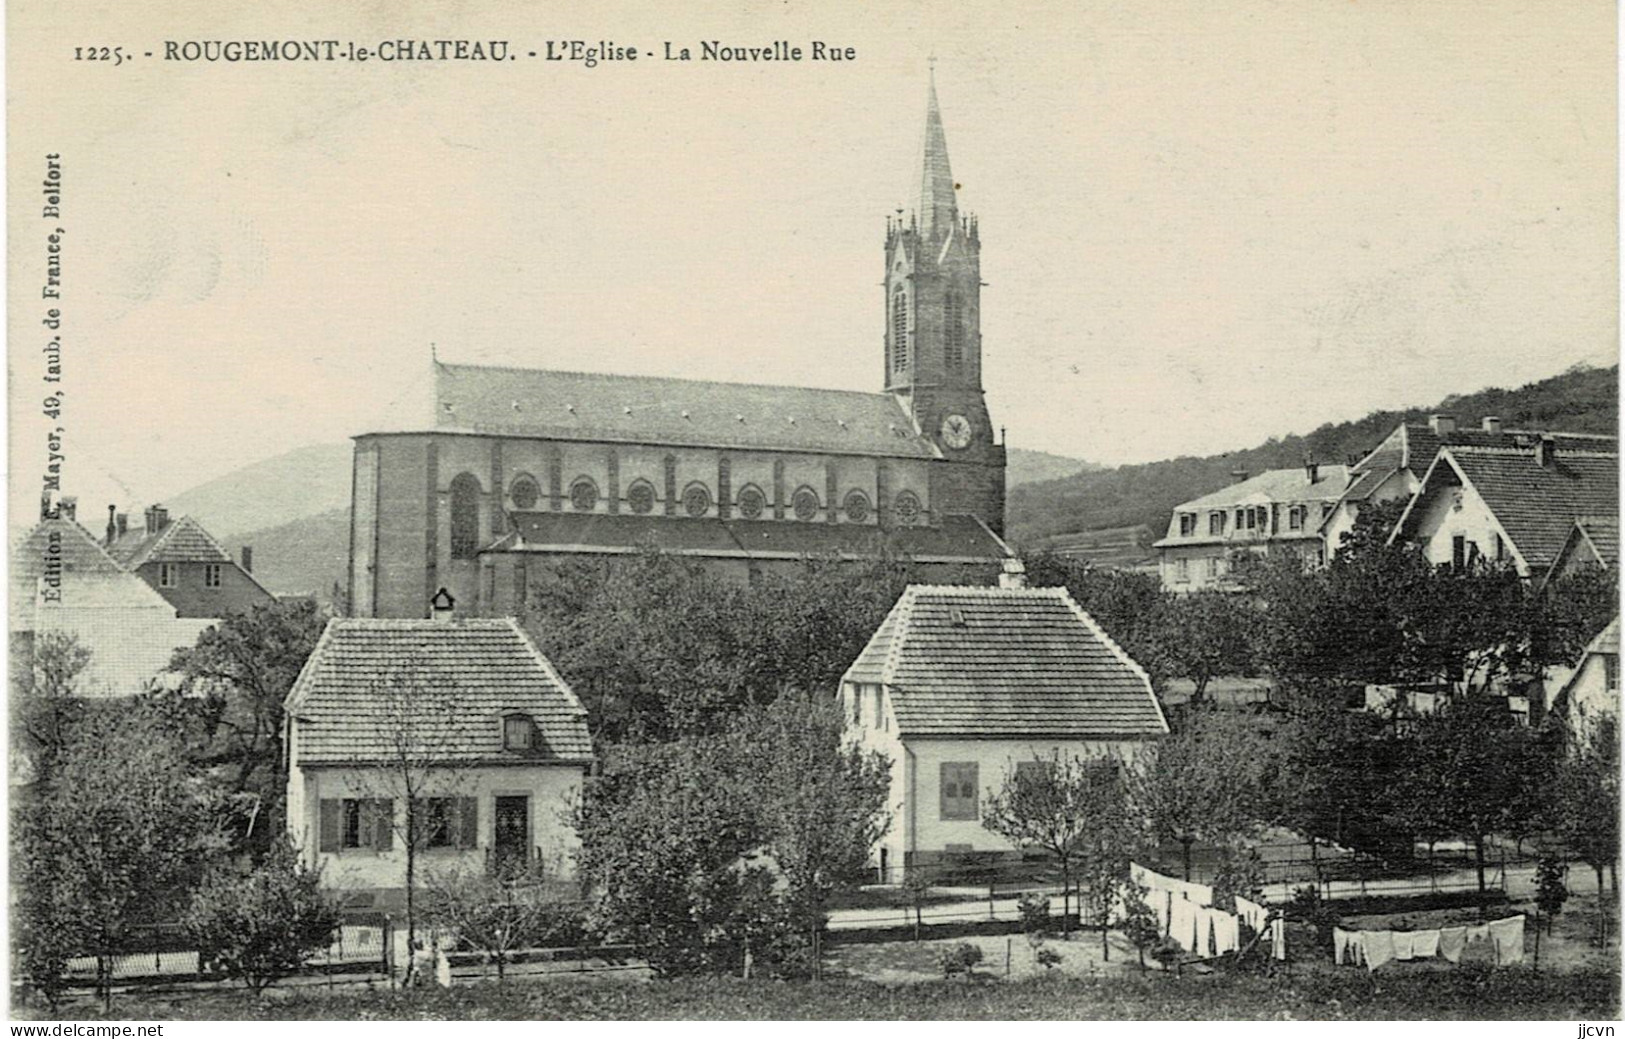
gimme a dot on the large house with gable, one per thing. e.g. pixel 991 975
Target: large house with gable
pixel 185 564
pixel 960 686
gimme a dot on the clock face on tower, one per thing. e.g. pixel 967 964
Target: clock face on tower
pixel 956 432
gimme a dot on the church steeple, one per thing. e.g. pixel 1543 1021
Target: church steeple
pixel 938 211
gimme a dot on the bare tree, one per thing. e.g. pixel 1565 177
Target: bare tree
pixel 424 735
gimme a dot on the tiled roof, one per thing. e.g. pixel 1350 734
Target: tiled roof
pixel 1537 505
pixel 130 646
pixel 957 538
pixel 182 540
pixel 1366 482
pixel 1275 485
pixel 1602 533
pixel 51 543
pixel 483 667
pixel 648 410
pixel 1005 662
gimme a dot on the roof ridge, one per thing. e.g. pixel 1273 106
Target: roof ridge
pixel 615 377
pixel 905 613
pixel 547 666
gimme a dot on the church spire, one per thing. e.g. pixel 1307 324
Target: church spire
pixel 938 211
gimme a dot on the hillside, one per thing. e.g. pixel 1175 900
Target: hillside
pixel 1024 466
pixel 306 556
pixel 1581 400
pixel 291 486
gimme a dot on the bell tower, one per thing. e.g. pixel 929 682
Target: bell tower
pixel 933 358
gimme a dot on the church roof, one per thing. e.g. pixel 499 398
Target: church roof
pixel 1005 662
pixel 475 671
pixel 679 412
pixel 957 539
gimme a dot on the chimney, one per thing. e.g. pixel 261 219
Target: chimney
pixel 1492 423
pixel 162 514
pixel 1442 424
pixel 1238 476
pixel 69 509
pixel 1546 452
pixel 152 519
pixel 45 507
pixel 1312 470
pixel 442 608
pixel 112 525
pixel 248 558
pixel 1014 574
pixel 123 523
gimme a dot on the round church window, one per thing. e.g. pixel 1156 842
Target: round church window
pixel 524 493
pixel 696 500
pixel 857 507
pixel 805 503
pixel 641 497
pixel 907 509
pixel 583 495
pixel 751 503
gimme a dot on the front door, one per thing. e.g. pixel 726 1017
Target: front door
pixel 512 843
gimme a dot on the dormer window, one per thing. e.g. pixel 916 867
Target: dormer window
pixel 518 733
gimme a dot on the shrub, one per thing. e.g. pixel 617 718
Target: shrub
pixel 261 925
pixel 1034 909
pixel 1047 957
pixel 960 959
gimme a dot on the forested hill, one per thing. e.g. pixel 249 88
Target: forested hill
pixel 1581 400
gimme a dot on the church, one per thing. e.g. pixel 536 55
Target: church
pixel 520 469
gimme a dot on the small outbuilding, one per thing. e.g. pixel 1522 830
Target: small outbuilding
pixel 466 719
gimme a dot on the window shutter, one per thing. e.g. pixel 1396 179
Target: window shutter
pixel 383 811
pixel 328 839
pixel 468 816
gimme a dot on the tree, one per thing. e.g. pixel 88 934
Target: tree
pixel 710 845
pixel 1203 782
pixel 1586 803
pixel 823 803
pixel 1139 922
pixel 423 732
pixel 495 915
pixel 114 845
pixel 1074 808
pixel 235 678
pixel 1203 635
pixel 262 925
pixel 1471 760
pixel 45 702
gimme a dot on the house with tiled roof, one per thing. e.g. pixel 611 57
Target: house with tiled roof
pixel 63 581
pixel 1514 504
pixel 1592 692
pixel 959 686
pixel 1592 544
pixel 1277 512
pixel 1394 469
pixel 185 564
pixel 486 476
pixel 466 716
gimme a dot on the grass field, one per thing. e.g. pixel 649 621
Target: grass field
pixel 1513 993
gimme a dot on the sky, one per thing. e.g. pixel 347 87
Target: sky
pixel 1203 224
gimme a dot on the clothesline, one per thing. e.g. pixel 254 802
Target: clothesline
pixel 1185 913
pixel 1376 948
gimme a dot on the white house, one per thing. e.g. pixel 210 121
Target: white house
pixel 1515 504
pixel 960 685
pixel 505 736
pixel 1278 511
pixel 1593 691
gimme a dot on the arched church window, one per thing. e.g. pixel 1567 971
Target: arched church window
pixel 641 497
pixel 907 509
pixel 696 500
pixel 465 516
pixel 583 494
pixel 857 507
pixel 805 503
pixel 899 330
pixel 752 502
pixel 953 331
pixel 524 493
